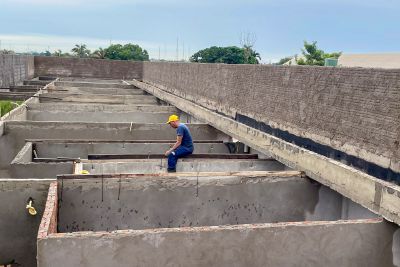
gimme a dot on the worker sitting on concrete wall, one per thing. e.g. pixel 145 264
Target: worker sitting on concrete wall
pixel 183 145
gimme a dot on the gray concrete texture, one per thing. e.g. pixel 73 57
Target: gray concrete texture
pixel 185 165
pixel 91 68
pixel 343 243
pixel 81 150
pixel 18 229
pixel 77 107
pixel 80 116
pixel 16 132
pixel 98 98
pixel 95 84
pixel 350 109
pixel 168 202
pixel 377 195
pixel 14 69
pixel 89 90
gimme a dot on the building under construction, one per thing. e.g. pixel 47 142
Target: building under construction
pixel 293 165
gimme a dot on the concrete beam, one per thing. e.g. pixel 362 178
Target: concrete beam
pixel 98 98
pixel 343 243
pixel 93 90
pixel 82 150
pixel 136 117
pixel 77 107
pixel 93 84
pixel 184 165
pixel 379 196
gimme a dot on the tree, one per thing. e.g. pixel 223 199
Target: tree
pixel 283 60
pixel 247 40
pixel 314 56
pixel 99 53
pixel 7 52
pixel 58 53
pixel 126 52
pixel 80 50
pixel 228 55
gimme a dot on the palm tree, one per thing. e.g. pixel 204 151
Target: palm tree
pixel 57 53
pixel 100 53
pixel 80 50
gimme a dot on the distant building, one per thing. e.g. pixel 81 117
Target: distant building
pixel 382 60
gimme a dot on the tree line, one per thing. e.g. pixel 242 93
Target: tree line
pixel 311 54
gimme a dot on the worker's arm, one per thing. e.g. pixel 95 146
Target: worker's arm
pixel 175 146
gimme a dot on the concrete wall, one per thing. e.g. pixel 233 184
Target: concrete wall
pixel 14 69
pixel 165 202
pixel 16 132
pixel 18 229
pixel 352 111
pixel 92 68
pixel 343 243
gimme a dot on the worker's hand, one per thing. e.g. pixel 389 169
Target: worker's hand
pixel 167 153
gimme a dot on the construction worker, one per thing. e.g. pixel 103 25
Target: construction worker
pixel 183 145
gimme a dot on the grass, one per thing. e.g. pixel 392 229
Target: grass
pixel 7 106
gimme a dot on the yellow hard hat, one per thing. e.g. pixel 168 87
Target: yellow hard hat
pixel 173 118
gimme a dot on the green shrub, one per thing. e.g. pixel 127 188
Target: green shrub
pixel 7 106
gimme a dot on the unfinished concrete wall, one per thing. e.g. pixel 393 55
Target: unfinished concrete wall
pixel 349 114
pixel 343 243
pixel 18 229
pixel 16 132
pixel 14 69
pixel 163 202
pixel 91 68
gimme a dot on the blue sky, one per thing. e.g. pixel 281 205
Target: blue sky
pixel 280 27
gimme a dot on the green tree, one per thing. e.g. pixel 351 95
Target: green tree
pixel 126 52
pixel 80 50
pixel 228 55
pixel 314 56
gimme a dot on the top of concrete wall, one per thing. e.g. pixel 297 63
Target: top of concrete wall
pixel 88 67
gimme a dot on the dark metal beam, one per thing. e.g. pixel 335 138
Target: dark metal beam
pixel 78 141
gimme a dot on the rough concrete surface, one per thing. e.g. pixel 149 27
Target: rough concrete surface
pixel 18 229
pixel 342 243
pixel 351 109
pixel 15 69
pixel 379 196
pixel 92 68
pixel 159 202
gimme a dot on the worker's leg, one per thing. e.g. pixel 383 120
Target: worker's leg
pixel 180 152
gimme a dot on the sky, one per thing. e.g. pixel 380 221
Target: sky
pixel 277 28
